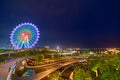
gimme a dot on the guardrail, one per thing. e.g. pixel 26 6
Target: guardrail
pixel 11 71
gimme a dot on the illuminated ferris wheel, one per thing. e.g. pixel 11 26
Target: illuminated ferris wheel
pixel 25 35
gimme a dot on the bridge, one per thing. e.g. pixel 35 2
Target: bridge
pixel 9 52
pixel 48 69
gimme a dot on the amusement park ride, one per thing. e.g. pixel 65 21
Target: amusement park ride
pixel 25 35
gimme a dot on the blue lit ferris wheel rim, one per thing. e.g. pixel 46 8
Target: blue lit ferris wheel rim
pixel 27 27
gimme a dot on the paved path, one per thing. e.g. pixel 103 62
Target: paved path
pixel 4 69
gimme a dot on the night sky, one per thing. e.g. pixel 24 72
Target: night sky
pixel 67 23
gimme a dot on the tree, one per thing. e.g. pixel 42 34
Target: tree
pixel 95 69
pixel 81 74
pixel 39 57
pixel 110 68
pixel 55 76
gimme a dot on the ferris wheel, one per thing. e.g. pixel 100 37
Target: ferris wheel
pixel 25 35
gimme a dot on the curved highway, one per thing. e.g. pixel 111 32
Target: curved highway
pixel 48 69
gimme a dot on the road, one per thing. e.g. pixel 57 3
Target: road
pixel 8 53
pixel 4 68
pixel 48 69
